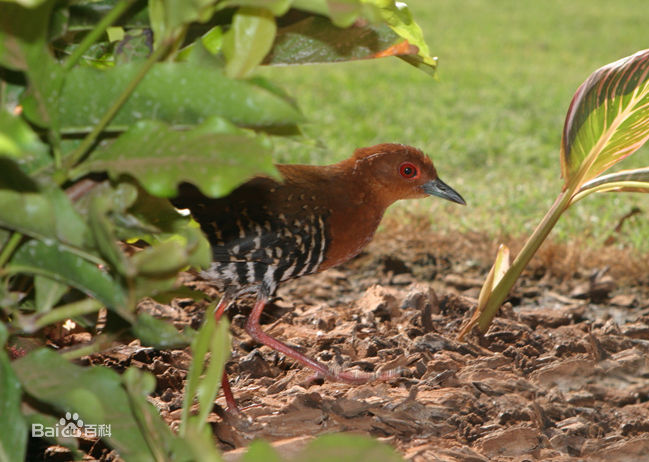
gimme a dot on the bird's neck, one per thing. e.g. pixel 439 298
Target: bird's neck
pixel 357 211
pixel 351 200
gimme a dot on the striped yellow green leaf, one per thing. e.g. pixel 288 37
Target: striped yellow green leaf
pixel 608 119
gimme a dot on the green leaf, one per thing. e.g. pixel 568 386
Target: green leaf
pixel 214 339
pixel 95 393
pixel 72 310
pixel 169 17
pixel 58 263
pixel 48 293
pixel 344 13
pixel 210 43
pixel 104 237
pixel 45 217
pixel 164 259
pixel 608 119
pixel 139 385
pixel 347 448
pixel 209 386
pixel 261 450
pixel 23 33
pixel 315 39
pixel 160 158
pixel 13 428
pixel 18 141
pixel 635 180
pixel 248 40
pixel 27 3
pixel 15 180
pixel 277 7
pixel 181 94
pixel 158 333
pixel 41 101
pixel 398 16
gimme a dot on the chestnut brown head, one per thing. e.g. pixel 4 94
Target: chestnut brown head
pixel 397 171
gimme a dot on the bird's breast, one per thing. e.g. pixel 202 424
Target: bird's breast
pixel 350 233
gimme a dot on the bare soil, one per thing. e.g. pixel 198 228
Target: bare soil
pixel 561 375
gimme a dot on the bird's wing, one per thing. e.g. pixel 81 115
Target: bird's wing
pixel 240 228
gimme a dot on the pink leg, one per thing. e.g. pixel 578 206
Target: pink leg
pixel 225 302
pixel 254 329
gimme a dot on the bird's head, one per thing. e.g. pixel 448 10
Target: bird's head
pixel 397 171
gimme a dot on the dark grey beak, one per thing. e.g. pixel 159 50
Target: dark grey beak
pixel 440 189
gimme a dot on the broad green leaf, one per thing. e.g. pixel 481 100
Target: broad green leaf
pixel 58 263
pixel 38 216
pixel 104 237
pixel 70 311
pixel 163 223
pixel 158 333
pixel 248 40
pixel 210 43
pixel 200 347
pixel 315 39
pixel 27 3
pixel 261 450
pixel 13 428
pixel 181 94
pixel 46 215
pixel 157 215
pixel 608 119
pixel 41 100
pixel 163 259
pixel 397 15
pixel 14 179
pixel 95 393
pixel 635 180
pixel 169 17
pixel 69 225
pixel 203 381
pixel 139 385
pixel 23 32
pixel 160 158
pixel 18 141
pixel 277 7
pixel 179 292
pixel 48 292
pixel 209 386
pixel 347 448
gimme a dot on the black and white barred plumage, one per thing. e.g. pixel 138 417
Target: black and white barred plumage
pixel 254 248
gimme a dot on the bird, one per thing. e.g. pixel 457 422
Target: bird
pixel 314 217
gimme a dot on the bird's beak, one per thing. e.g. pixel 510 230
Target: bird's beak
pixel 440 189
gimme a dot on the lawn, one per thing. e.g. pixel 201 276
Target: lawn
pixel 492 118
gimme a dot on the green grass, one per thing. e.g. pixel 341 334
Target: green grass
pixel 492 118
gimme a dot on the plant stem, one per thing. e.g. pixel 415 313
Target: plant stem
pixel 501 291
pixel 85 306
pixel 101 342
pixel 96 32
pixel 81 151
pixel 9 248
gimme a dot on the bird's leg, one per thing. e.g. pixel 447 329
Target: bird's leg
pixel 254 329
pixel 224 303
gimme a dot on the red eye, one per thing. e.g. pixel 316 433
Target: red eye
pixel 408 170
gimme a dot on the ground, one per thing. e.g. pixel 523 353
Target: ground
pixel 561 375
